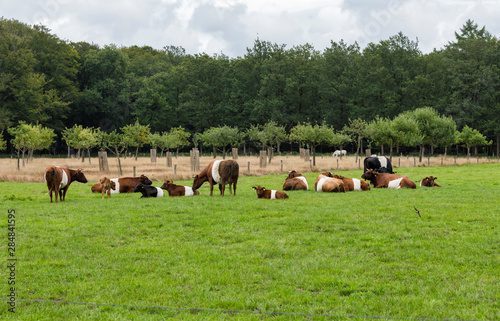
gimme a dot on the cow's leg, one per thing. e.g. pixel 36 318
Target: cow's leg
pixel 211 188
pixel 63 198
pixel 221 188
pixel 57 193
pixel 50 192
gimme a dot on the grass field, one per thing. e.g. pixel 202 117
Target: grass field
pixel 314 256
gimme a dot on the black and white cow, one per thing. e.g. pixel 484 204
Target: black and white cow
pixel 379 164
pixel 148 191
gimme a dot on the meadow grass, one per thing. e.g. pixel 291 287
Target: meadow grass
pixel 358 254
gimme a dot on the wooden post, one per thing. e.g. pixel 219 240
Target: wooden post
pixel 134 172
pixel 153 155
pixel 281 165
pixel 302 152
pixel 235 153
pixel 337 163
pixel 368 152
pixel 175 170
pixel 399 162
pixel 262 159
pixel 414 162
pixel 306 155
pixel 103 161
pixel 248 167
pixel 429 161
pixel 169 159
pixel 441 161
pixel 311 164
pixel 359 163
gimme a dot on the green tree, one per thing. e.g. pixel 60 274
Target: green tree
pixel 115 143
pixel 180 137
pixel 3 142
pixel 312 135
pixel 136 135
pixel 220 137
pixel 469 137
pixel 357 130
pixel 428 121
pixel 21 140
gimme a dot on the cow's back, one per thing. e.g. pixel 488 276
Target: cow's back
pixel 229 171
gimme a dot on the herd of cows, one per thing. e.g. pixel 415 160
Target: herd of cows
pixel 377 170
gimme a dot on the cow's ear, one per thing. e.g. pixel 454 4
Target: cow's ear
pixel 263 189
pixel 80 169
pixel 254 187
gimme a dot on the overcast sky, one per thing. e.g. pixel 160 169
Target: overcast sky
pixel 231 26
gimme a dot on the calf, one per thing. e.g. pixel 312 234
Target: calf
pixel 429 182
pixel 386 180
pixel 325 182
pixel 107 185
pixel 148 191
pixel 295 181
pixel 58 180
pixel 272 194
pixel 353 184
pixel 178 190
pixel 124 184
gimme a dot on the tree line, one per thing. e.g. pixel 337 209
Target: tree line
pixel 56 84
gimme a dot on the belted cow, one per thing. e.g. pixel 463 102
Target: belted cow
pixel 386 180
pixel 148 191
pixel 178 190
pixel 353 184
pixel 272 194
pixel 124 184
pixel 379 164
pixel 58 180
pixel 295 181
pixel 325 182
pixel 429 182
pixel 222 172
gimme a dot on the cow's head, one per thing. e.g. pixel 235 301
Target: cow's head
pixel 139 188
pixel 259 189
pixel 338 176
pixel 369 174
pixel 429 181
pixel 197 182
pixel 113 185
pixel 80 177
pixel 145 180
pixel 293 174
pixel 166 184
pixel 327 174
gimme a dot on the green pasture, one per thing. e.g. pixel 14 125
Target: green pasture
pixel 315 256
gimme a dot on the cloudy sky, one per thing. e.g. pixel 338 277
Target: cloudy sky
pixel 231 26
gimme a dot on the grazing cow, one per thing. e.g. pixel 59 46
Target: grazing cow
pixel 178 190
pixel 148 191
pixel 380 164
pixel 386 180
pixel 429 182
pixel 353 184
pixel 222 172
pixel 124 184
pixel 107 185
pixel 325 182
pixel 58 180
pixel 271 194
pixel 337 153
pixel 295 181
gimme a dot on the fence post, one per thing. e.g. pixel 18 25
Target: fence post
pixel 248 167
pixel 235 153
pixel 134 172
pixel 103 161
pixel 306 155
pixel 282 165
pixel 169 159
pixel 175 170
pixel 153 155
pixel 262 159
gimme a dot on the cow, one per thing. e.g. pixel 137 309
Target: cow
pixel 325 182
pixel 380 164
pixel 58 180
pixel 353 184
pixel 222 172
pixel 107 186
pixel 178 190
pixel 272 194
pixel 386 180
pixel 148 191
pixel 295 181
pixel 429 182
pixel 124 184
pixel 337 153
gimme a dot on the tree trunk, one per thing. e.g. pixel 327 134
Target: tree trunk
pixel 498 144
pixel 136 152
pixel 88 151
pixel 314 154
pixel 422 151
pixel 120 165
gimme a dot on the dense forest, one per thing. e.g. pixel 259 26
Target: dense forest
pixel 54 83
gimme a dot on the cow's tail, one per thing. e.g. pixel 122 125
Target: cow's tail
pixel 50 175
pixel 234 171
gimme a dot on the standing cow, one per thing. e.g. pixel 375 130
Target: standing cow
pixel 222 172
pixel 386 180
pixel 58 180
pixel 295 181
pixel 353 184
pixel 325 182
pixel 380 164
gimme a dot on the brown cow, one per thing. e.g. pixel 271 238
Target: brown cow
pixel 107 185
pixel 325 182
pixel 58 180
pixel 124 184
pixel 178 190
pixel 272 194
pixel 222 172
pixel 386 180
pixel 295 181
pixel 353 184
pixel 429 182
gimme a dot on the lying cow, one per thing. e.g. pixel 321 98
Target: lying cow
pixel 386 180
pixel 124 184
pixel 380 164
pixel 272 194
pixel 222 172
pixel 148 191
pixel 58 180
pixel 337 153
pixel 325 182
pixel 429 182
pixel 353 184
pixel 178 190
pixel 107 186
pixel 295 181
